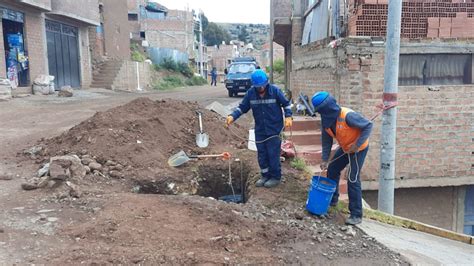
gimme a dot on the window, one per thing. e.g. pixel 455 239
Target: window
pixel 132 17
pixel 435 69
pixel 142 35
pixel 242 68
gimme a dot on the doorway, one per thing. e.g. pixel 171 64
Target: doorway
pixel 63 54
pixel 16 56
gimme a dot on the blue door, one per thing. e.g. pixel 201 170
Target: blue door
pixel 469 211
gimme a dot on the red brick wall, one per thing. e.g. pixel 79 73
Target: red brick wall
pixel 420 19
pixel 35 39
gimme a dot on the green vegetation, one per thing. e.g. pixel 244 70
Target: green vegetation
pixel 215 34
pixel 298 164
pixel 244 35
pixel 169 82
pixel 279 66
pixel 137 56
pixel 171 65
pixel 196 81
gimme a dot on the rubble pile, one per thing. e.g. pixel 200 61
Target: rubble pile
pixel 131 142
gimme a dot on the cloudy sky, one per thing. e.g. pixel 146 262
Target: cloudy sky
pixel 237 11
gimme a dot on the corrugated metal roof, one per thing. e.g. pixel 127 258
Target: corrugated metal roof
pixel 434 69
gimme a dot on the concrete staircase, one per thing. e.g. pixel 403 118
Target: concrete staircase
pixel 306 136
pixel 106 74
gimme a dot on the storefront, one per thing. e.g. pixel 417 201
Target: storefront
pixel 16 55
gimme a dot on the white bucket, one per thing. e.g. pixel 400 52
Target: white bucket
pixel 251 144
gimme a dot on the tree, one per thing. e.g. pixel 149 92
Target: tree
pixel 215 34
pixel 243 34
pixel 205 22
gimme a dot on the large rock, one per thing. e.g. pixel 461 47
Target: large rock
pixel 64 167
pixel 66 91
pixel 5 90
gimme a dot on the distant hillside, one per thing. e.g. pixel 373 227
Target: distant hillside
pixel 257 33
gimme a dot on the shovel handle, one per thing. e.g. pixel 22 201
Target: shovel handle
pixel 225 155
pixel 200 121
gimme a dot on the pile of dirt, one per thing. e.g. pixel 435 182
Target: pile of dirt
pixel 135 140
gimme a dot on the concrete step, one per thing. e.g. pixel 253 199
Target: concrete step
pixel 305 123
pixel 109 87
pixel 309 137
pixel 310 153
pixel 101 85
pixel 103 78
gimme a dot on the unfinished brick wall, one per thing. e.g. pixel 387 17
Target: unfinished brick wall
pixel 434 134
pixel 420 19
pixel 313 70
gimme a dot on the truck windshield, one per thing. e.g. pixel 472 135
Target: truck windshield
pixel 242 68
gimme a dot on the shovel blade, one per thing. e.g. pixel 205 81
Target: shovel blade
pixel 202 140
pixel 178 159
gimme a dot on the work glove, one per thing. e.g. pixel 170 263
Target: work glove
pixel 288 122
pixel 229 120
pixel 324 166
pixel 353 149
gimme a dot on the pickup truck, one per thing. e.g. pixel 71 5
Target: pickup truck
pixel 238 76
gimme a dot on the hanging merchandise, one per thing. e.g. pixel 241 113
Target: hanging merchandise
pixel 12 72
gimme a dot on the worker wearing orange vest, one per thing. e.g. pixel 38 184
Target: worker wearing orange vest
pixel 351 130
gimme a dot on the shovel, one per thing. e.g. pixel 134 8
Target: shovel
pixel 202 139
pixel 181 158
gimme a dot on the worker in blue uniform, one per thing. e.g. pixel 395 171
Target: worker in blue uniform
pixel 266 101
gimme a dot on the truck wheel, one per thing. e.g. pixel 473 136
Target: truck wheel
pixel 230 93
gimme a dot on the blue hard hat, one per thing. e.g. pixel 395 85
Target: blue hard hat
pixel 259 78
pixel 319 98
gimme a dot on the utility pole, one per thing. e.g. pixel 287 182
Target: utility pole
pixel 270 54
pixel 201 64
pixel 389 117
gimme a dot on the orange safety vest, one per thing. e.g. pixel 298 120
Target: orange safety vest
pixel 346 136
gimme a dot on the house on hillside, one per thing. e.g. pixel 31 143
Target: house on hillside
pixel 434 167
pixel 162 27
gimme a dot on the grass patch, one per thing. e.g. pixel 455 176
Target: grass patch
pixel 137 56
pixel 169 82
pixel 196 81
pixel 299 164
pixel 171 65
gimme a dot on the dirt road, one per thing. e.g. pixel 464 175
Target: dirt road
pixel 109 224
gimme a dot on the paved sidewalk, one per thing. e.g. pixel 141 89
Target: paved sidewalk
pixel 420 248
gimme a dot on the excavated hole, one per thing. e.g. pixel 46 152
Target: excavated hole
pixel 214 182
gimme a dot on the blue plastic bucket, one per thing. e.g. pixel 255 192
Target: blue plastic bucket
pixel 320 195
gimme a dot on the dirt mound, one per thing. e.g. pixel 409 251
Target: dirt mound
pixel 135 140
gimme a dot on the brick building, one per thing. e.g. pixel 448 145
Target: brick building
pixel 221 56
pixel 278 53
pixel 162 27
pixel 47 37
pixel 434 167
pixel 111 39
